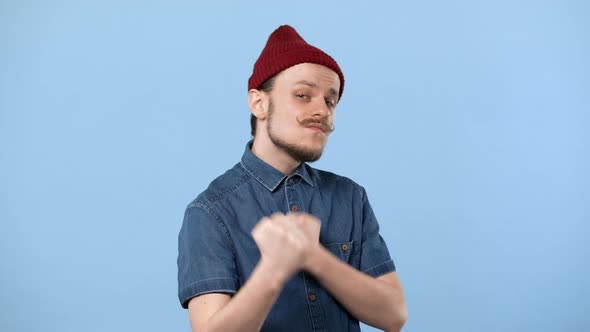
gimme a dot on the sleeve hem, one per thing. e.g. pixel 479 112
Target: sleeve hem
pixel 212 285
pixel 381 269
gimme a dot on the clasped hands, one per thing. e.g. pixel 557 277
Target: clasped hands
pixel 287 242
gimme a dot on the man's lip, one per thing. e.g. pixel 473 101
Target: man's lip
pixel 317 126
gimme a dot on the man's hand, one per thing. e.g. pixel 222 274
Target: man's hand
pixel 287 242
pixel 310 226
pixel 283 246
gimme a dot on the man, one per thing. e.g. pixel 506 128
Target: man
pixel 274 244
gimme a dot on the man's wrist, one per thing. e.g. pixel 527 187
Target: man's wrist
pixel 274 277
pixel 316 260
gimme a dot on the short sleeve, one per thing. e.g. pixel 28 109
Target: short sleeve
pixel 375 258
pixel 206 260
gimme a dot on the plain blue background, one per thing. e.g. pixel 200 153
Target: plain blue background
pixel 466 121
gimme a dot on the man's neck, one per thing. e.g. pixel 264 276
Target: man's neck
pixel 276 157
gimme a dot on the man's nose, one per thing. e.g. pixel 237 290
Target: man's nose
pixel 321 110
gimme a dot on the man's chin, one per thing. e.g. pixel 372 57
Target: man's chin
pixel 297 151
pixel 312 158
pixel 305 155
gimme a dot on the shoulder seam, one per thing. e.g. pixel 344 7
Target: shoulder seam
pixel 210 211
pixel 220 195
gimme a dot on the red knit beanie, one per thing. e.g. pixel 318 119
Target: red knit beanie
pixel 285 48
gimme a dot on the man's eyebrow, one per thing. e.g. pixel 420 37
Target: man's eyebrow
pixel 333 91
pixel 308 83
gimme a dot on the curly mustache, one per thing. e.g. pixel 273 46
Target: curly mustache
pixel 326 127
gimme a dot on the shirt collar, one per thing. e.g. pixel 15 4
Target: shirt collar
pixel 267 175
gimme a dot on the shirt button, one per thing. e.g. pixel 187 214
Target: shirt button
pixel 312 297
pixel 294 208
pixel 290 181
pixel 344 247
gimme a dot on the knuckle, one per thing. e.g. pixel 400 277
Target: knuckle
pixel 276 215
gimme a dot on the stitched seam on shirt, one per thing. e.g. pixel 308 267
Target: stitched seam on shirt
pixel 221 195
pixel 203 280
pixel 217 290
pixel 384 273
pixel 194 283
pixel 369 269
pixel 306 302
pixel 286 197
pixel 309 175
pixel 208 209
pixel 225 290
pixel 259 179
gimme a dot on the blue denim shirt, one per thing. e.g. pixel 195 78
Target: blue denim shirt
pixel 217 253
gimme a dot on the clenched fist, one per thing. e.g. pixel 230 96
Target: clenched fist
pixel 310 226
pixel 287 242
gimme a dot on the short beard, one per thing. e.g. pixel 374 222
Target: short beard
pixel 297 153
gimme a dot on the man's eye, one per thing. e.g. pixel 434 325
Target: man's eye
pixel 301 96
pixel 330 104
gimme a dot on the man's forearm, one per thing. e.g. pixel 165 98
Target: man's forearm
pixel 372 301
pixel 249 307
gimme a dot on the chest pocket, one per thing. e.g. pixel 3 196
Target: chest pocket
pixel 343 250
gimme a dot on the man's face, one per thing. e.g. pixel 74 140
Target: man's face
pixel 301 110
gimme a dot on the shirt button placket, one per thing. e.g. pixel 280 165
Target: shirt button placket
pixel 292 196
pixel 312 297
pixel 314 303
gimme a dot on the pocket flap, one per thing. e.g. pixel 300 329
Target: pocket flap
pixel 341 250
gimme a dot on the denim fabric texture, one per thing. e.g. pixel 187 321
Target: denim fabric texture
pixel 217 253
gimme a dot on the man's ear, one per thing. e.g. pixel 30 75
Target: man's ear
pixel 257 103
